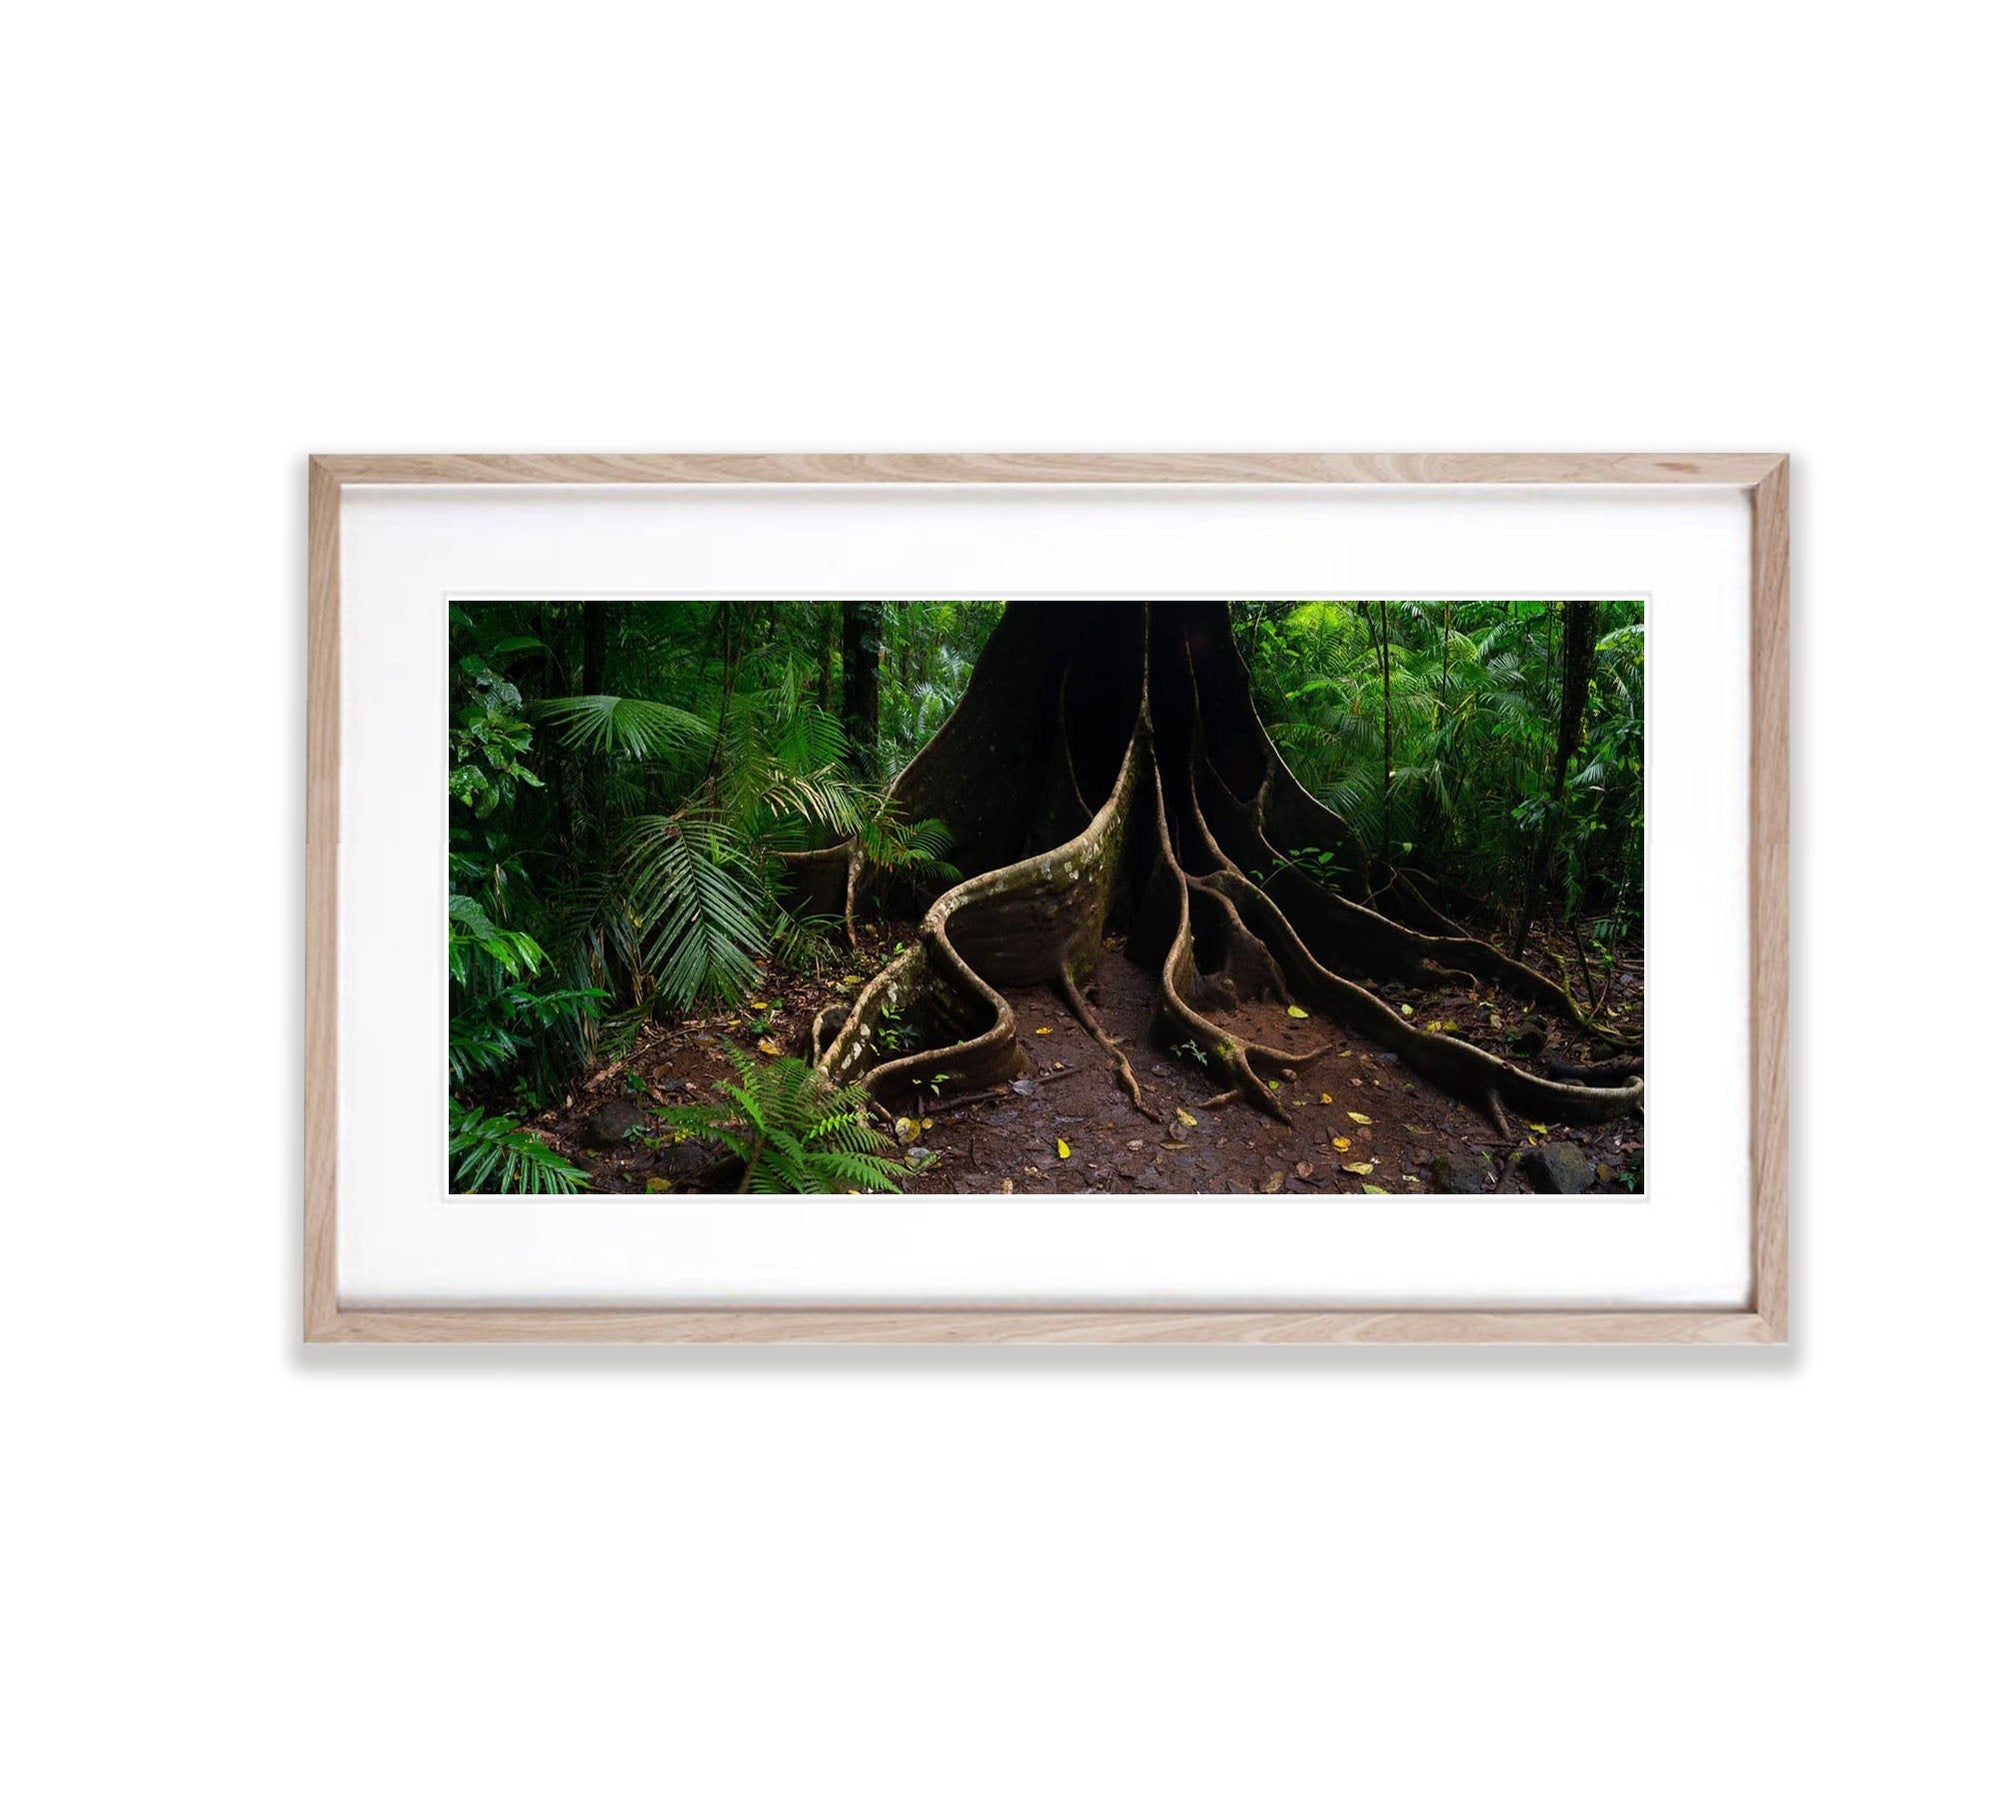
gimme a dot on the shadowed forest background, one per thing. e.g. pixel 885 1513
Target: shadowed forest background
pixel 636 958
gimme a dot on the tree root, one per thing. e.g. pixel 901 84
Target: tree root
pixel 1088 1019
pixel 1011 770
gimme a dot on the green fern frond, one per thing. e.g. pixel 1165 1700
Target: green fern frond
pixel 701 908
pixel 494 1154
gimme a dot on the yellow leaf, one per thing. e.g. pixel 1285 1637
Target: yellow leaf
pixel 1360 1118
pixel 1343 1144
pixel 1370 1187
pixel 770 1046
pixel 1061 1149
pixel 1044 1030
pixel 1356 1167
pixel 907 1130
pixel 1433 1025
pixel 1297 1012
pixel 759 1005
pixel 1185 1117
pixel 1408 1011
pixel 928 1122
pixel 1539 1130
pixel 1325 1099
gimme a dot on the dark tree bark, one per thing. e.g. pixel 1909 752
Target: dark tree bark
pixel 860 680
pixel 1107 765
pixel 1578 665
pixel 829 648
pixel 596 644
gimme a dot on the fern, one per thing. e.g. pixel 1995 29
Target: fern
pixel 491 1153
pixel 793 1132
pixel 701 907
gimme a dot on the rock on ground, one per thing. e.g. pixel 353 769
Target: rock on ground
pixel 1558 1168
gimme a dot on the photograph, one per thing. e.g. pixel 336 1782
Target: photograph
pixel 1094 898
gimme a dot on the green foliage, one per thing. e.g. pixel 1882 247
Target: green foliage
pixel 626 780
pixel 792 1131
pixel 640 730
pixel 1430 727
pixel 701 906
pixel 494 1155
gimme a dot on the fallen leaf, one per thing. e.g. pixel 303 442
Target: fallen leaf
pixel 1360 1118
pixel 1433 1025
pixel 1539 1130
pixel 907 1130
pixel 1006 1186
pixel 770 1046
pixel 1306 1171
pixel 1408 1011
pixel 1367 1187
pixel 920 1158
pixel 928 1122
pixel 1343 1144
pixel 1044 1030
pixel 1296 1012
pixel 1275 1184
pixel 1325 1099
pixel 1356 1167
pixel 1185 1117
pixel 1061 1149
pixel 759 1005
pixel 1346 1052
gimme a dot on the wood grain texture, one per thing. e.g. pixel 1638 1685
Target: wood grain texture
pixel 1770 896
pixel 1766 478
pixel 322 896
pixel 1728 468
pixel 952 1325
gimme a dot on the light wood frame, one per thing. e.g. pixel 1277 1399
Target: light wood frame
pixel 1766 480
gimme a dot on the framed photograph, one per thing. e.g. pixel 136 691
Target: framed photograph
pixel 1059 899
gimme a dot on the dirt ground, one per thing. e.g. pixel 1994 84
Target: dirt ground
pixel 1357 1121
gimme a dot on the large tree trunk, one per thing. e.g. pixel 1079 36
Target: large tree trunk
pixel 1106 766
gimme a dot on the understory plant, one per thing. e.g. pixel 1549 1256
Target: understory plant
pixel 792 1131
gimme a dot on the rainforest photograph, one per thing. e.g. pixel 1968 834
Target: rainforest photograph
pixel 1096 898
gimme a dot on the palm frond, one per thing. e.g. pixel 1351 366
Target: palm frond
pixel 642 730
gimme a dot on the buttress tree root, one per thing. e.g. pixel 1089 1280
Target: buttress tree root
pixel 1106 769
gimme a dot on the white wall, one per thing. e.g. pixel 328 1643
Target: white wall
pixel 241 234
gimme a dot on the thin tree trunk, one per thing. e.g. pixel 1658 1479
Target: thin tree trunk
pixel 731 647
pixel 596 643
pixel 1387 729
pixel 1578 663
pixel 829 647
pixel 860 680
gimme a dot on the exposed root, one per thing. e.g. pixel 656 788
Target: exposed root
pixel 1089 1021
pixel 1024 756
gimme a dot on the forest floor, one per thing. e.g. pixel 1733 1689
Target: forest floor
pixel 1356 1120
